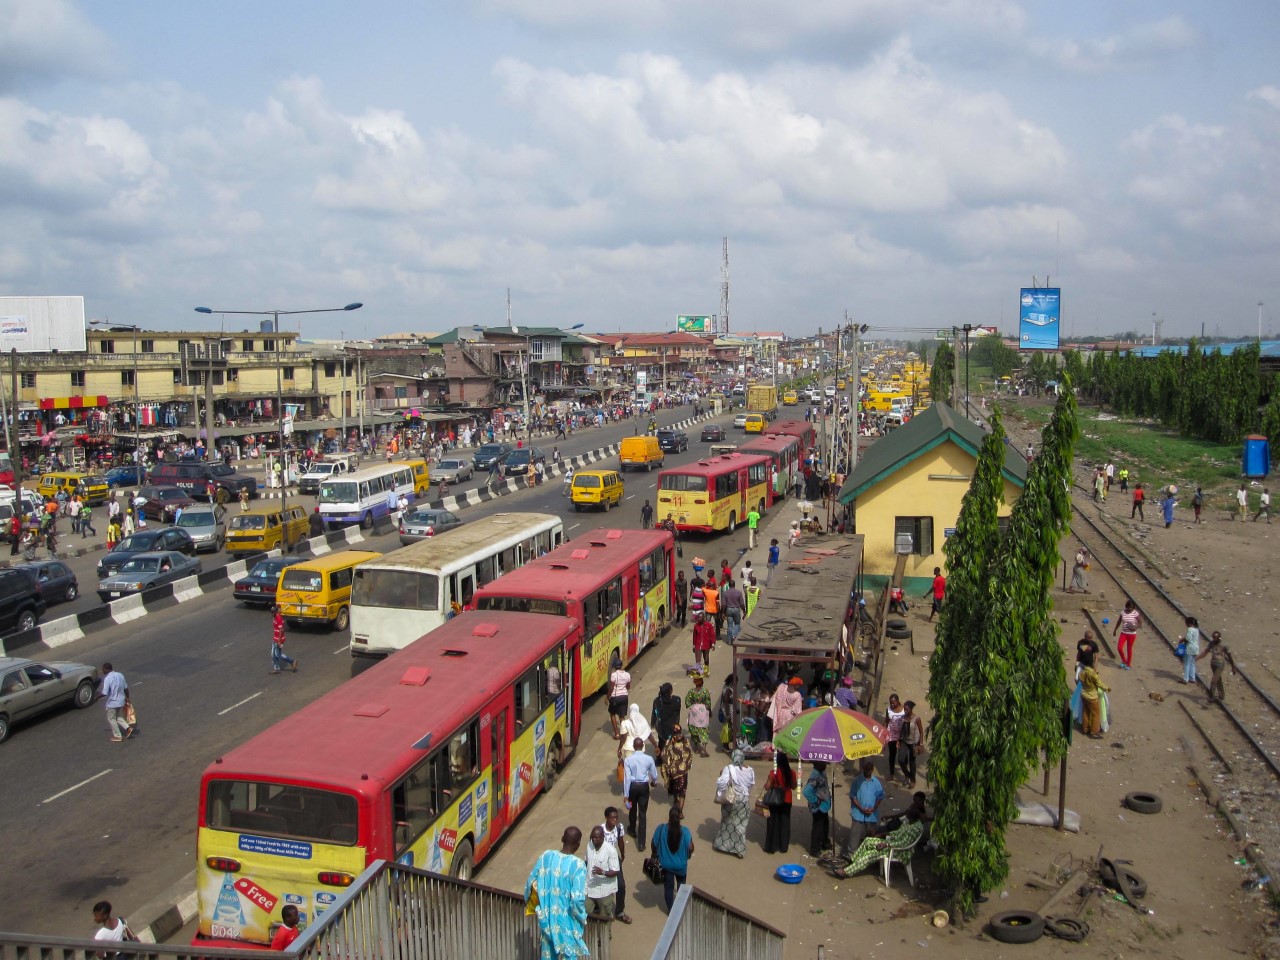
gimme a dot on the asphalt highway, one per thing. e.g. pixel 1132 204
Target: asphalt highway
pixel 86 819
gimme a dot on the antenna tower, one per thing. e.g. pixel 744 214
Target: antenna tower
pixel 724 290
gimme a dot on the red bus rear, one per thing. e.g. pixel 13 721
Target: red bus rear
pixel 801 430
pixel 716 493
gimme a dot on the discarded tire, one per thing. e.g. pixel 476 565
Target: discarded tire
pixel 896 624
pixel 1017 926
pixel 894 633
pixel 1066 928
pixel 1109 869
pixel 1140 802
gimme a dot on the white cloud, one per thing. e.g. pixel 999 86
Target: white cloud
pixel 1138 45
pixel 1267 94
pixel 46 40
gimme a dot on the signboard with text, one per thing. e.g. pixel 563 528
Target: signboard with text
pixel 688 323
pixel 1039 318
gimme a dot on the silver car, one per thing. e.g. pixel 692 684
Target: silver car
pixel 424 522
pixel 29 687
pixel 453 470
pixel 146 570
pixel 207 526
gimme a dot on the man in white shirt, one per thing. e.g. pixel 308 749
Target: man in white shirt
pixel 1264 506
pixel 111 929
pixel 615 834
pixel 1242 501
pixel 602 875
pixel 115 690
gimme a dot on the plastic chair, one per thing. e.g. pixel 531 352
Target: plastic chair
pixel 903 856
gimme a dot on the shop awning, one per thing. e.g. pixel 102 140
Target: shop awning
pixel 73 403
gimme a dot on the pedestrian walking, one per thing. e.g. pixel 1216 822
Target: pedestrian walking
pixel 937 590
pixel 73 510
pixel 114 533
pixel 673 846
pixel 677 761
pixel 556 893
pixel 603 868
pixel 244 499
pixel 1127 624
pixel 1264 506
pixel 682 599
pixel 1190 650
pixel 779 789
pixel 1219 658
pixel 51 541
pixel 115 690
pixel 753 522
pixel 1242 502
pixel 639 774
pixel 817 794
pixel 734 787
pixel 111 929
pixel 1166 508
pixel 912 736
pixel 1091 690
pixel 86 521
pixel 1079 579
pixel 734 604
pixel 775 554
pixel 615 834
pixel 278 656
pixel 1139 496
pixel 665 716
pixel 619 691
pixel 646 516
pixel 1197 502
pixel 697 705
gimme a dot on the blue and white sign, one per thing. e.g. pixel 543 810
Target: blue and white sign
pixel 1039 318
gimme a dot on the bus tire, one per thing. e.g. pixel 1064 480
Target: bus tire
pixel 577 507
pixel 463 861
pixel 552 769
pixel 760 508
pixel 342 620
pixel 607 505
pixel 366 521
pixel 733 521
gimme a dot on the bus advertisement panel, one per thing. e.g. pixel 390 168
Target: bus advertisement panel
pixel 417 763
pixel 617 584
pixel 784 452
pixel 409 592
pixel 715 494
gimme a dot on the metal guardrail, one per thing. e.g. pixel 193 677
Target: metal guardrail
pixel 391 912
pixel 702 927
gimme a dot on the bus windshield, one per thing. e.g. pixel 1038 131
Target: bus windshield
pixel 282 810
pixel 248 521
pixel 398 589
pixel 554 608
pixel 690 482
pixel 338 491
pixel 304 581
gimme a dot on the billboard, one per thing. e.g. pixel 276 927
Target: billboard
pixel 686 323
pixel 1039 318
pixel 41 324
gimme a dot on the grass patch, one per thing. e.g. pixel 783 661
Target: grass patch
pixel 1155 455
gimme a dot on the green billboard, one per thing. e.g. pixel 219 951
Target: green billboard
pixel 687 323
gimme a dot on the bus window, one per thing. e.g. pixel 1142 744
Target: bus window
pixel 413 804
pixel 689 483
pixel 464 759
pixel 364 490
pixel 648 574
pixel 468 588
pixel 527 700
pixel 303 813
pixel 726 484
pixel 486 570
pixel 554 679
pixel 340 579
pixel 756 473
pixel 399 589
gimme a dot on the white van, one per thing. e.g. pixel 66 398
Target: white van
pixel 333 464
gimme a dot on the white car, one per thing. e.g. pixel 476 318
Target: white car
pixel 453 470
pixel 831 391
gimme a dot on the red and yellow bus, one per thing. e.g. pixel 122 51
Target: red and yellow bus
pixel 800 429
pixel 716 493
pixel 427 758
pixel 784 453
pixel 618 585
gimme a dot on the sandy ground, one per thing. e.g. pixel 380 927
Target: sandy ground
pixel 1201 902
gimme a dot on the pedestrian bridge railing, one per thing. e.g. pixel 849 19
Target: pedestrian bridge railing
pixel 391 912
pixel 701 927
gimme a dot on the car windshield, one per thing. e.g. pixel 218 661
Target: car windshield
pixel 249 521
pixel 424 516
pixel 93 481
pixel 200 518
pixel 518 456
pixel 174 494
pixel 142 565
pixel 322 468
pixel 267 568
pixel 450 465
pixel 581 481
pixel 304 581
pixel 137 543
pixel 489 450
pixel 338 491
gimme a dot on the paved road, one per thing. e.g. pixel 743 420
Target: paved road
pixel 84 818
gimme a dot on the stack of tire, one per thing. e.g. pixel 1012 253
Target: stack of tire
pixel 897 629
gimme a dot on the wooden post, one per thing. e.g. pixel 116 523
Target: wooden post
pixel 1045 791
pixel 1062 793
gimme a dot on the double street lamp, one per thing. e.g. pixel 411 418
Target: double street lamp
pixel 276 315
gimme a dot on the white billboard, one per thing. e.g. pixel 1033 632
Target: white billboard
pixel 41 324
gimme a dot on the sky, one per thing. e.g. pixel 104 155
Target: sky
pixel 911 163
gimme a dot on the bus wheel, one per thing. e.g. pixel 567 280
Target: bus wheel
pixel 663 626
pixel 366 521
pixel 760 508
pixel 733 521
pixel 463 861
pixel 342 620
pixel 552 769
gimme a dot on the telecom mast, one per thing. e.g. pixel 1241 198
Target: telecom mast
pixel 724 291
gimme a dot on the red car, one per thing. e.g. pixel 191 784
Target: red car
pixel 163 502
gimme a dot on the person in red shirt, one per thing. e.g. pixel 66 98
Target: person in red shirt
pixel 704 638
pixel 938 589
pixel 288 930
pixel 1138 497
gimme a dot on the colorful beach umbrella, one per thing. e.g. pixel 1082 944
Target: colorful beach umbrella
pixel 831 735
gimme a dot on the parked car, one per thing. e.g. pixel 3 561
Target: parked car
pixel 163 502
pixel 143 571
pixel 118 477
pixel 22 603
pixel 740 421
pixel 453 470
pixel 712 433
pixel 423 523
pixel 258 588
pixel 56 580
pixel 29 688
pixel 145 541
pixel 488 454
pixel 517 462
pixel 206 523
pixel 673 441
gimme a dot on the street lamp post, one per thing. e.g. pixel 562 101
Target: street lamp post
pixel 137 428
pixel 1259 321
pixel 967 329
pixel 275 325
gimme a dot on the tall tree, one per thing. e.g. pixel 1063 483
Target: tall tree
pixel 942 374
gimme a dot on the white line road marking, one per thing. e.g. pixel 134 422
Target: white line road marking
pixel 240 704
pixel 345 648
pixel 631 496
pixel 76 787
pixel 575 526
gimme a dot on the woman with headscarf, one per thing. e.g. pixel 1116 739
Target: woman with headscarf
pixel 677 761
pixel 788 701
pixel 634 726
pixel 728 713
pixel 666 715
pixel 781 780
pixel 697 705
pixel 733 791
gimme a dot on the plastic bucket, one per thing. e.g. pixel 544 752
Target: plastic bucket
pixel 748 730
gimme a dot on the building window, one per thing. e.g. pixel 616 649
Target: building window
pixel 330 369
pixel 233 375
pixel 269 346
pixel 177 374
pixel 148 346
pixel 246 346
pixel 28 381
pixel 920 529
pixel 77 378
pixel 287 373
pixel 107 346
pixel 126 378
pixel 217 378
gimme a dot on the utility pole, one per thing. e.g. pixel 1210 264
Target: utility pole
pixel 342 441
pixel 1259 321
pixel 209 448
pixel 855 401
pixel 15 456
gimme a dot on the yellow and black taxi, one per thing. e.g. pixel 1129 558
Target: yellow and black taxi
pixel 596 488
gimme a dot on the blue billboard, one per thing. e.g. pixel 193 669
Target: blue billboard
pixel 1039 318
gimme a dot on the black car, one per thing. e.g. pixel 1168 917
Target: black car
pixel 517 462
pixel 259 587
pixel 21 602
pixel 490 454
pixel 712 433
pixel 204 481
pixel 146 541
pixel 56 580
pixel 673 441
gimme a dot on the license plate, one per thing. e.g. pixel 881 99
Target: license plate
pixel 116 593
pixel 255 589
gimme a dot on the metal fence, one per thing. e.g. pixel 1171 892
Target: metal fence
pixel 391 912
pixel 701 927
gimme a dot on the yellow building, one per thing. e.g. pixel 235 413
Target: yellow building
pixel 911 482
